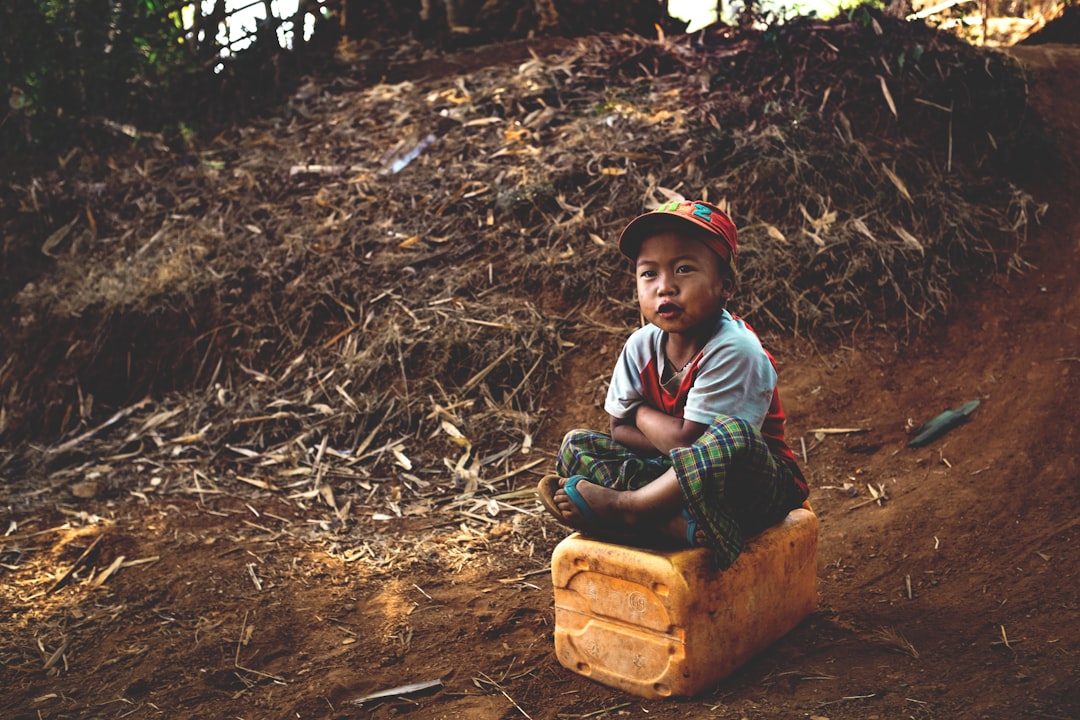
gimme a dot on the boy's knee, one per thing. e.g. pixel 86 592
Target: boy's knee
pixel 731 430
pixel 579 438
pixel 576 436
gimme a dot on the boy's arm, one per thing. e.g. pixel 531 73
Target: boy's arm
pixel 625 432
pixel 653 432
pixel 666 432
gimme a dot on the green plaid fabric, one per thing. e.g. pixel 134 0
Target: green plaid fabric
pixel 606 462
pixel 733 486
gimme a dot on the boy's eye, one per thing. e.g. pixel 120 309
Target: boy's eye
pixel 648 273
pixel 684 269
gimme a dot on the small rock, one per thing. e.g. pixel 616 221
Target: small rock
pixel 87 489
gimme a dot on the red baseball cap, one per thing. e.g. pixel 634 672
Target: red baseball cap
pixel 720 235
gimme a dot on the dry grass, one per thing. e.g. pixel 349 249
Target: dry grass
pixel 343 314
pixel 895 641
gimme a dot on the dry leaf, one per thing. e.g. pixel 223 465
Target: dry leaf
pixel 348 400
pixel 862 228
pixel 482 121
pixel 888 95
pixel 57 237
pixel 327 494
pixel 516 134
pixel 909 239
pixel 775 233
pixel 821 223
pixel 401 460
pixel 670 195
pixel 455 435
pixel 897 182
pixel 159 418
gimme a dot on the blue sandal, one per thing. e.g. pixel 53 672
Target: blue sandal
pixel 691 528
pixel 591 525
pixel 547 488
pixel 570 488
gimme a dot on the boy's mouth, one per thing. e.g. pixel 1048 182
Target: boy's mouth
pixel 668 310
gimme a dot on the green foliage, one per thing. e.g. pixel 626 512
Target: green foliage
pixel 66 60
pixel 862 14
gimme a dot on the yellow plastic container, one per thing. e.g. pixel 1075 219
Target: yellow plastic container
pixel 668 623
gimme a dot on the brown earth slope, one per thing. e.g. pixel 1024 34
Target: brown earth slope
pixel 954 598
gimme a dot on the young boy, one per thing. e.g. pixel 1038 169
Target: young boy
pixel 696 451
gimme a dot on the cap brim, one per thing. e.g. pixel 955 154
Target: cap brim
pixel 648 224
pixel 644 226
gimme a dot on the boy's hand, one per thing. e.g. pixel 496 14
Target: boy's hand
pixel 665 432
pixel 625 432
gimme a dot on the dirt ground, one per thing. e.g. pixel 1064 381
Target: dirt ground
pixel 957 597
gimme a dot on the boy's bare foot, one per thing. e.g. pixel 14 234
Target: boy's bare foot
pixel 683 529
pixel 586 504
pixel 614 514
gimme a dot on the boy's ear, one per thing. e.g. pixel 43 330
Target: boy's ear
pixel 727 285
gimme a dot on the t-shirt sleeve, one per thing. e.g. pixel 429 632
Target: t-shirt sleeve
pixel 734 378
pixel 625 391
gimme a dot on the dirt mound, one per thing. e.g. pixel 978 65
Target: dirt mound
pixel 355 370
pixel 395 237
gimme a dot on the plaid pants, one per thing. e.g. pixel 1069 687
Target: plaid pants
pixel 732 485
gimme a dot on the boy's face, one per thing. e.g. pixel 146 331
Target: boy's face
pixel 682 285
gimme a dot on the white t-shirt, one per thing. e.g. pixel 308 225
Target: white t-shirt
pixel 731 376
